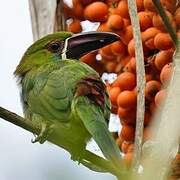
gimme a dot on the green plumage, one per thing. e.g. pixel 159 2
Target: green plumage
pixel 68 95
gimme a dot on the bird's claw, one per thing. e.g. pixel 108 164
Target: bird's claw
pixel 46 130
pixel 78 156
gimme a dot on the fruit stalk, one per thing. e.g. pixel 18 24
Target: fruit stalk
pixel 167 24
pixel 140 71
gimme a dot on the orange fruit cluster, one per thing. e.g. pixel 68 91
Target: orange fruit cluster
pixel 119 57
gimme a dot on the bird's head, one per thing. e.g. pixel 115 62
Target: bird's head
pixel 61 46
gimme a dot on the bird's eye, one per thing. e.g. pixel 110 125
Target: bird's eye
pixel 55 46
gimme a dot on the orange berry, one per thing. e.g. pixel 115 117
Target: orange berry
pixel 163 57
pixel 107 53
pixel 113 94
pixel 103 27
pixel 140 5
pixel 128 68
pixel 129 121
pixel 127 22
pixel 163 41
pixel 126 81
pixel 107 50
pixel 124 146
pixel 128 116
pixel 148 77
pixel 127 133
pixel 113 10
pixel 126 35
pixel 115 22
pixel 124 60
pixel 152 87
pixel 160 97
pixel 75 26
pixel 150 44
pixel 77 9
pixel 131 48
pixel 122 112
pixel 177 17
pixel 132 64
pixel 127 99
pixel 170 5
pixel 118 48
pixel 150 68
pixel 158 22
pixel 149 33
pixel 68 11
pixel 89 58
pixel 123 9
pixel 149 5
pixel 106 58
pixel 145 20
pixel 119 68
pixel 110 66
pixel 96 12
pixel 165 74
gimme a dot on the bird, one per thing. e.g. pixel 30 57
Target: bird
pixel 60 92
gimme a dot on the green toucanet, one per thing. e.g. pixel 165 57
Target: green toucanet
pixel 58 91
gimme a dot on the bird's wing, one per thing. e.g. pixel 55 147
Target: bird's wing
pixel 93 118
pixel 50 95
pixel 90 104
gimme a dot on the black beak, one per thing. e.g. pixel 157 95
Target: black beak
pixel 81 44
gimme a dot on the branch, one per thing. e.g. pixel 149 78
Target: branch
pixel 140 71
pixel 60 21
pixel 89 159
pixel 19 121
pixel 165 19
pixel 42 17
pixel 46 17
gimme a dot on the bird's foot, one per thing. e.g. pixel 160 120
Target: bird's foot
pixel 46 130
pixel 77 156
